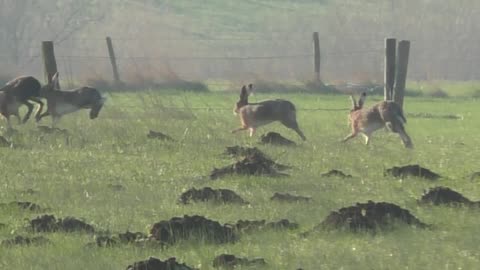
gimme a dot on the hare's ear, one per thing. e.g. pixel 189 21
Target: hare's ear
pixel 354 102
pixel 361 100
pixel 244 94
pixel 250 89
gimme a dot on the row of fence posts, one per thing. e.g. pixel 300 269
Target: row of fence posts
pixel 396 64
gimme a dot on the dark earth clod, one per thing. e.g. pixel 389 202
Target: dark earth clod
pixel 160 136
pixel 211 195
pixel 275 138
pixel 446 196
pixel 335 173
pixel 48 223
pixel 370 216
pixel 156 264
pixel 412 170
pixel 191 227
pixel 228 261
pixel 286 197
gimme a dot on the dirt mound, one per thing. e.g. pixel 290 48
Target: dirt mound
pixel 227 261
pixel 444 195
pixel 213 195
pixel 275 138
pixel 25 241
pixel 156 264
pixel 48 223
pixel 160 136
pixel 257 225
pixel 188 227
pixel 240 151
pixel 255 164
pixel 369 216
pixel 286 197
pixel 412 170
pixel 335 173
pixel 23 206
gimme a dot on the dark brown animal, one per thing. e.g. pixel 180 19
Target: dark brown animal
pixel 19 91
pixel 60 102
pixel 253 115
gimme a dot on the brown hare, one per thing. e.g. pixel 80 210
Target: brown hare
pixel 383 114
pixel 60 102
pixel 21 90
pixel 253 115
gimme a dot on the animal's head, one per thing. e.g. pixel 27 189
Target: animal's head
pixel 50 86
pixel 243 101
pixel 361 101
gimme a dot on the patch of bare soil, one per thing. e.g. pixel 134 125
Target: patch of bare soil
pixel 336 173
pixel 286 197
pixel 369 216
pixel 25 241
pixel 275 138
pixel 254 164
pixel 446 196
pixel 156 264
pixel 159 136
pixel 48 223
pixel 228 261
pixel 246 226
pixel 191 227
pixel 412 170
pixel 24 206
pixel 211 195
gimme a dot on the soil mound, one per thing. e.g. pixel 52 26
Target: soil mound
pixel 335 173
pixel 275 138
pixel 255 164
pixel 228 261
pixel 156 264
pixel 444 195
pixel 160 136
pixel 286 197
pixel 369 216
pixel 412 170
pixel 257 225
pixel 212 195
pixel 191 227
pixel 48 223
pixel 25 241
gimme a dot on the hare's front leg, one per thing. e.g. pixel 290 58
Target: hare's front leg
pixel 252 131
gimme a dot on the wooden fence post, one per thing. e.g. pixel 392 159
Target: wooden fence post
pixel 49 62
pixel 316 56
pixel 389 79
pixel 401 71
pixel 113 61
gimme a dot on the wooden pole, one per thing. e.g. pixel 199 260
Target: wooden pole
pixel 316 56
pixel 49 62
pixel 401 71
pixel 113 61
pixel 389 79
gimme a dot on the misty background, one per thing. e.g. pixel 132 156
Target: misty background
pixel 239 40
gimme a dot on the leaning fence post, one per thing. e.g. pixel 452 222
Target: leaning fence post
pixel 389 79
pixel 113 60
pixel 49 62
pixel 316 56
pixel 401 71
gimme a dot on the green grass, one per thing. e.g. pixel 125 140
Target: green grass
pixel 72 177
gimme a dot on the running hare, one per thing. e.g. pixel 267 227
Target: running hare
pixel 253 115
pixel 383 114
pixel 60 102
pixel 19 91
pixel 9 106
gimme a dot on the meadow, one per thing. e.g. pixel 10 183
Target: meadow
pixel 73 176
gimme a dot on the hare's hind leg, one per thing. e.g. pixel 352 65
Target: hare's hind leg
pixel 292 124
pixel 350 136
pixel 397 127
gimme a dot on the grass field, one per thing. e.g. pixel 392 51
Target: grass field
pixel 73 178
